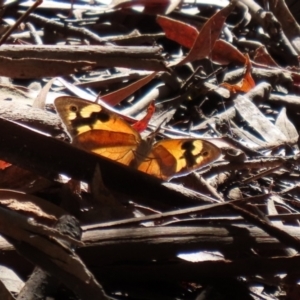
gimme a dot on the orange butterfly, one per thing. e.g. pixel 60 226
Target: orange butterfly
pixel 96 129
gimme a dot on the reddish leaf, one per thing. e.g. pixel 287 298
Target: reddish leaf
pixel 182 33
pixel 296 78
pixel 246 84
pixel 208 35
pixel 4 165
pixel 185 34
pixel 142 124
pixel 116 97
pixel 159 8
pixel 263 57
pixel 224 53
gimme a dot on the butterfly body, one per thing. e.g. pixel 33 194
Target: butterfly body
pixel 94 128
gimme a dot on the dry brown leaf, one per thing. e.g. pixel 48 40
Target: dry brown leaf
pixel 30 205
pixel 116 97
pixel 246 84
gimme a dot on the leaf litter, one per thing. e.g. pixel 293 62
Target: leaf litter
pixel 224 72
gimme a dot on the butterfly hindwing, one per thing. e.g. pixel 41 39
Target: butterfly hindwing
pixel 169 158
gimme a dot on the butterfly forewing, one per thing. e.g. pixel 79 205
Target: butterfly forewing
pixel 94 128
pixel 80 115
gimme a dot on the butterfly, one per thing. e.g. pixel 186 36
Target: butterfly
pixel 96 129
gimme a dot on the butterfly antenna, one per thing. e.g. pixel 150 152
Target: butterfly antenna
pixel 152 135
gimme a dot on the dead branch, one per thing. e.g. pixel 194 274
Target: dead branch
pixel 50 157
pixel 25 61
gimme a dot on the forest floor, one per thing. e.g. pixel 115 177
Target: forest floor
pixel 149 150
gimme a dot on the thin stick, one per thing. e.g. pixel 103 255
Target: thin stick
pixel 18 22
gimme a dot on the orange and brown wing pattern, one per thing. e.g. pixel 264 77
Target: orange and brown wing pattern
pixel 94 128
pixel 169 158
